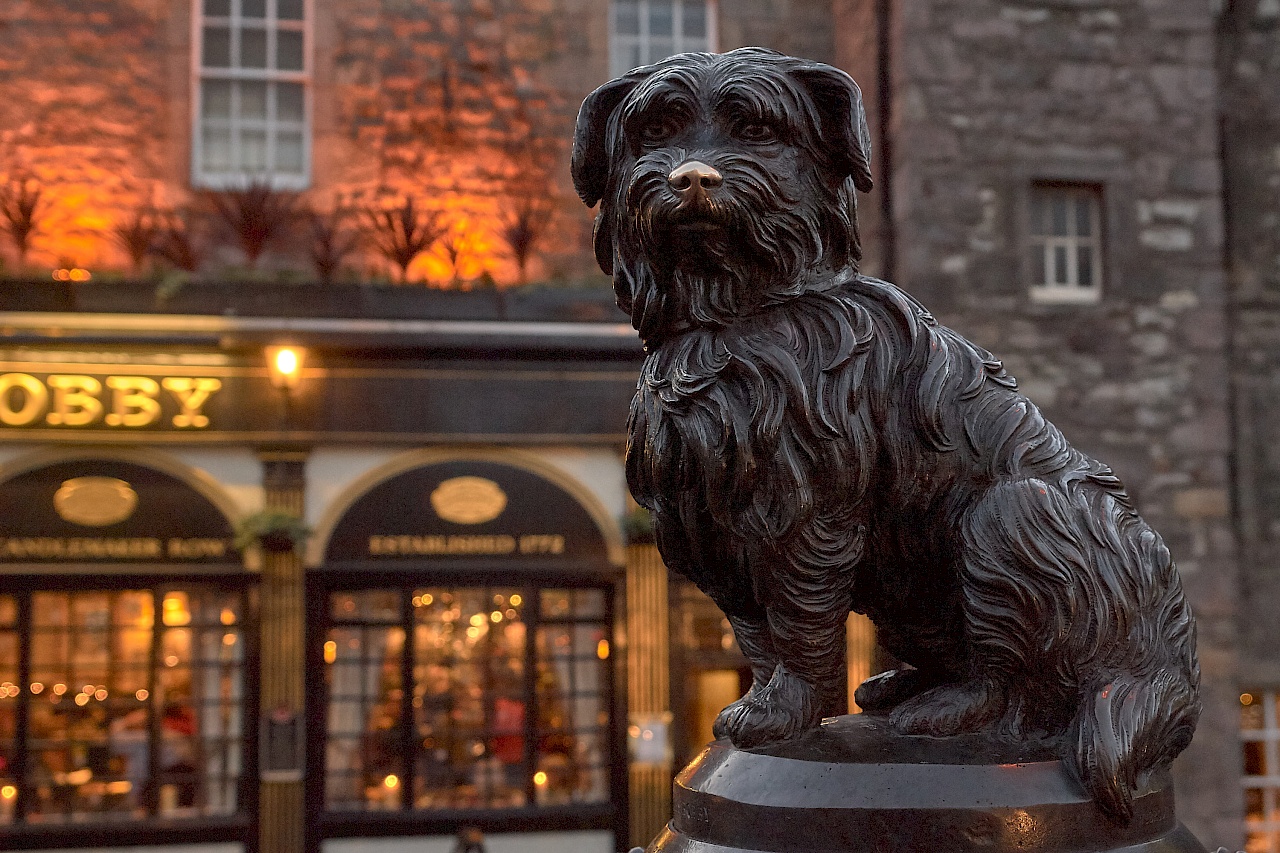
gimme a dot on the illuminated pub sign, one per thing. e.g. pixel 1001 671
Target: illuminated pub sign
pixel 464 512
pixel 112 512
pixel 113 400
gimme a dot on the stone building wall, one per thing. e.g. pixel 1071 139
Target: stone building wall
pixel 87 102
pixel 988 96
pixel 1249 62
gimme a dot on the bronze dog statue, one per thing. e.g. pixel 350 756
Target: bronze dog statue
pixel 810 442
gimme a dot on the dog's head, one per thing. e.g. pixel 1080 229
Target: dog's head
pixel 727 182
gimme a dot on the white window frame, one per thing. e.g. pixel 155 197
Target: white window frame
pixel 1268 737
pixel 1045 287
pixel 238 177
pixel 680 43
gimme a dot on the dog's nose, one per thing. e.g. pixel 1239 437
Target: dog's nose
pixel 693 178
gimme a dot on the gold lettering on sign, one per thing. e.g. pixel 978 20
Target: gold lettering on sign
pixel 468 500
pixel 75 400
pixel 72 400
pixel 442 545
pixel 95 501
pixel 542 543
pixel 32 393
pixel 192 394
pixel 195 549
pixel 133 401
pixel 418 546
pixel 56 548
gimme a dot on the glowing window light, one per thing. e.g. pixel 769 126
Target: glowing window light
pixel 391 782
pixel 540 778
pixel 602 650
pixel 330 651
pixel 8 792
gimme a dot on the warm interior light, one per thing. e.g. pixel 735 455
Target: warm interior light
pixel 8 792
pixel 602 650
pixel 330 651
pixel 540 778
pixel 285 363
pixel 392 781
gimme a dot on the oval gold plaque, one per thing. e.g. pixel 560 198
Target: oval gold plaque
pixel 95 501
pixel 468 500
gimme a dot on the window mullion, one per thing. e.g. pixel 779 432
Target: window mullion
pixel 151 794
pixel 533 621
pixel 22 724
pixel 408 732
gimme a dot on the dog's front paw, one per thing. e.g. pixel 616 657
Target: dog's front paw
pixel 951 709
pixel 784 708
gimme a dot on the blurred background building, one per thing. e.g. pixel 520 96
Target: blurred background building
pixel 313 529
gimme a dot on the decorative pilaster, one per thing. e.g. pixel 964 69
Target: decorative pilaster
pixel 283 608
pixel 648 685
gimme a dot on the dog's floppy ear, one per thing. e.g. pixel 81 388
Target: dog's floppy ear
pixel 844 122
pixel 590 161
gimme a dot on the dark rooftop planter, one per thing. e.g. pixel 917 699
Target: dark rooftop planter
pixel 257 299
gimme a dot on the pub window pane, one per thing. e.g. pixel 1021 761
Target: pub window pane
pixel 289 102
pixel 643 31
pixel 240 128
pixel 288 152
pixel 661 18
pixel 109 704
pixel 1260 731
pixel 216 51
pixel 253 150
pixel 289 50
pixel 1064 243
pixel 695 20
pixel 1084 266
pixel 216 149
pixel 253 48
pixel 8 611
pixel 253 100
pixel 467 723
pixel 626 17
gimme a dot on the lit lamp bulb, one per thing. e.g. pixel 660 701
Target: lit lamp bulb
pixel 285 364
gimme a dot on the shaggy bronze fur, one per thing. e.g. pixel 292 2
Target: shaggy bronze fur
pixel 810 441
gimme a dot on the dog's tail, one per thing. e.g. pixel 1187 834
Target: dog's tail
pixel 1126 728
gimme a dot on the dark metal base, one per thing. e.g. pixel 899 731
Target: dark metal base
pixel 854 786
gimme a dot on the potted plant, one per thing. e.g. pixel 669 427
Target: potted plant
pixel 275 531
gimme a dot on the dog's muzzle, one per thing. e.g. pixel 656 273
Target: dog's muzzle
pixel 692 180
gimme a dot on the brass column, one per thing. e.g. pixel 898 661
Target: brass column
pixel 283 607
pixel 648 684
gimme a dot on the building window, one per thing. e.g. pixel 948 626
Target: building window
pixel 645 31
pixel 1066 243
pixel 251 99
pixel 467 698
pixel 1260 734
pixel 120 704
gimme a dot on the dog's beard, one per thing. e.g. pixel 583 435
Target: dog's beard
pixel 744 246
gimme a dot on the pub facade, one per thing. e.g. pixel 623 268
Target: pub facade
pixel 183 666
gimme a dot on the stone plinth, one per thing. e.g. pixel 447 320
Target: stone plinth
pixel 854 786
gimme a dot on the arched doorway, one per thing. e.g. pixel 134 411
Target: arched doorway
pixel 461 640
pixel 124 627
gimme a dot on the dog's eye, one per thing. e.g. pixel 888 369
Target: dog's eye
pixel 657 131
pixel 757 131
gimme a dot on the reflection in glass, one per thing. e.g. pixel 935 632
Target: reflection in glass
pixel 479 728
pixel 128 718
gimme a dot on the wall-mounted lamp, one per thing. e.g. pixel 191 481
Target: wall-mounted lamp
pixel 285 366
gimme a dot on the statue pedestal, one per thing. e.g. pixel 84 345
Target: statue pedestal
pixel 854 786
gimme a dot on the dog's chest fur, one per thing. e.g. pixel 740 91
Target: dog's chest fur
pixel 770 422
